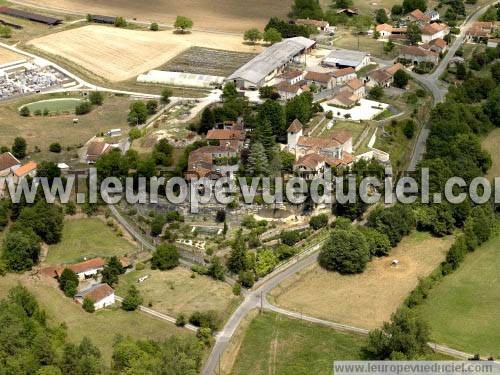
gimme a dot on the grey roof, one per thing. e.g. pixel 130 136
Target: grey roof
pixel 345 57
pixel 431 13
pixel 272 58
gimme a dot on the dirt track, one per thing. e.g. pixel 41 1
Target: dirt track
pixel 223 15
pixel 119 54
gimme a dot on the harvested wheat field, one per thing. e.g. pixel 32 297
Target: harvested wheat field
pixel 7 56
pixel 224 15
pixel 368 299
pixel 119 54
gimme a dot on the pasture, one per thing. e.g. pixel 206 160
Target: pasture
pixel 490 144
pixel 101 327
pixel 173 292
pixel 199 60
pixel 462 310
pixel 87 237
pixel 233 16
pixel 119 54
pixel 55 106
pixel 365 300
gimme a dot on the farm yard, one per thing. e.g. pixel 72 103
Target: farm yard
pixel 462 309
pixel 174 292
pixel 119 54
pixel 87 237
pixel 41 131
pixel 101 327
pixel 55 106
pixel 366 300
pixel 225 15
pixel 199 60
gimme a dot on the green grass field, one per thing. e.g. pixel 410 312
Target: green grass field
pixel 55 105
pixel 463 310
pixel 274 344
pixel 87 237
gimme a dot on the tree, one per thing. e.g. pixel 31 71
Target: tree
pixel 396 221
pixel 409 128
pixel 24 111
pixel 318 221
pixel 88 305
pixel 411 5
pixel 265 262
pixel 45 219
pixel 166 94
pixel 83 108
pixel 207 121
pixel 346 252
pixel 165 257
pixel 389 46
pixel 401 78
pixel 405 336
pixel 252 35
pixel 96 98
pixel 154 26
pixel 397 9
pixel 414 33
pixel 132 300
pixel 5 31
pixel 217 269
pixel 162 153
pixel 272 36
pixel 258 162
pixel 68 282
pixel 120 22
pixel 19 148
pixel 183 23
pixel 376 93
pixel 21 249
pixel 152 106
pixel 138 113
pixel 55 148
pixel 237 257
pixel 492 107
pixel 306 9
pixel 342 4
pixel 461 73
pixel 381 16
pixel 378 243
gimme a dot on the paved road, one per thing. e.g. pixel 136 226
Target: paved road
pixel 436 87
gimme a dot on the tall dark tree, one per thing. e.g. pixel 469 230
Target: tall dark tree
pixel 19 148
pixel 207 121
pixel 21 249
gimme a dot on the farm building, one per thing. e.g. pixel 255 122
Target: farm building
pixel 266 66
pixel 101 295
pixel 10 24
pixel 417 55
pixel 180 79
pixel 340 58
pixel 30 16
pixel 103 19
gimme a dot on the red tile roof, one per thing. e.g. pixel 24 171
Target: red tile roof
pixel 25 169
pixel 394 68
pixel 7 160
pixel 341 136
pixel 225 134
pixel 418 14
pixel 291 74
pixel 355 84
pixel 98 292
pixel 318 77
pixel 384 27
pixel 295 126
pixel 380 76
pixel 88 265
pixel 343 72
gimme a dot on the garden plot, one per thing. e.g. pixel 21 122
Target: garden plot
pixel 215 62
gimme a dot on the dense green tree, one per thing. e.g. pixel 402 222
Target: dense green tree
pixel 165 257
pixel 132 299
pixel 306 9
pixel 21 249
pixel 152 107
pixel 88 305
pixel 68 282
pixel 265 262
pixel 237 257
pixel 162 153
pixel 300 107
pixel 492 107
pixel 287 29
pixel 378 243
pixel 258 164
pixel 272 112
pixel 272 36
pixel 401 78
pixel 183 23
pixel 252 35
pixel 411 5
pixel 342 4
pixel 217 269
pixel 45 219
pixel 396 221
pixel 96 97
pixel 19 148
pixel 346 252
pixel 138 113
pixel 318 221
pixel 207 121
pixel 381 16
pixel 166 93
pixel 414 33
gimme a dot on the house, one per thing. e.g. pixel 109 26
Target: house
pixel 417 16
pixel 101 295
pixel 380 77
pixel 438 45
pixel 321 80
pixel 318 25
pixel 433 31
pixel 288 91
pixel 341 76
pixel 355 87
pixel 339 58
pixel 493 43
pixel 27 170
pixel 432 15
pixel 86 269
pixel 230 138
pixel 394 68
pixel 384 30
pixel 266 66
pixel 479 32
pixel 291 77
pixel 416 55
pixel 8 164
pixel 94 151
pixel 343 99
pixel 212 162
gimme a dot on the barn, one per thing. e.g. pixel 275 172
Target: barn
pixel 35 17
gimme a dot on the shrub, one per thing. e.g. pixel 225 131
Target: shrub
pixel 237 289
pixel 217 269
pixel 96 98
pixel 68 282
pixel 265 262
pixel 154 27
pixel 206 319
pixel 135 133
pixel 120 22
pixel 140 266
pixel 88 305
pixel 246 278
pixel 24 111
pixel 204 334
pixel 409 129
pixel 318 221
pixel 132 300
pixel 83 108
pixel 378 243
pixel 201 270
pixel 165 257
pixel 220 216
pixel 290 238
pixel 181 320
pixel 55 147
pixel 70 208
pixel 38 112
pixel 46 112
pixel 284 251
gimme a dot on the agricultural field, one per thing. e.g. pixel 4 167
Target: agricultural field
pixel 41 131
pixel 55 106
pixel 462 310
pixel 7 56
pixel 225 15
pixel 364 300
pixel 174 292
pixel 119 54
pixel 199 60
pixel 29 29
pixel 87 237
pixel 345 38
pixel 490 144
pixel 101 327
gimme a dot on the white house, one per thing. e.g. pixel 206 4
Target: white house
pixel 101 295
pixel 89 268
pixel 292 77
pixel 340 58
pixel 341 76
pixel 433 31
pixel 384 30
